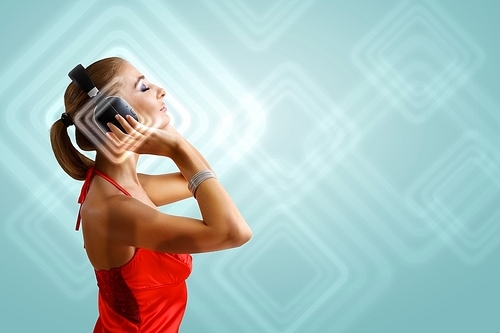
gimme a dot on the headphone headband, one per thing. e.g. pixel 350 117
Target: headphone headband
pixel 81 78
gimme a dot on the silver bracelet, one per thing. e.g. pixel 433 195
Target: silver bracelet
pixel 199 178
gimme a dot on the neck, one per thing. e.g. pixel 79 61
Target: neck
pixel 123 172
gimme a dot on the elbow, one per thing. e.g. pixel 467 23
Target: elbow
pixel 245 236
pixel 240 236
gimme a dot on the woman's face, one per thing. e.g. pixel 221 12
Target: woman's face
pixel 144 97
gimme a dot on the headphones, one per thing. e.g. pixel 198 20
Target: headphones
pixel 107 107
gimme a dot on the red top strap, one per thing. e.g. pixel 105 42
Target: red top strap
pixel 86 187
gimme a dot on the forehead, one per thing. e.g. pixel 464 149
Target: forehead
pixel 130 73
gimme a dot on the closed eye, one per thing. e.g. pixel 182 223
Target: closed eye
pixel 144 87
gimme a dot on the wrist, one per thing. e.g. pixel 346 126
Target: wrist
pixel 165 143
pixel 188 162
pixel 179 149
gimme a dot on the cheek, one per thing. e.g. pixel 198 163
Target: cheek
pixel 135 106
pixel 145 108
pixel 143 112
pixel 154 118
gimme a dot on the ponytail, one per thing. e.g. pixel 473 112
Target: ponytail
pixel 74 163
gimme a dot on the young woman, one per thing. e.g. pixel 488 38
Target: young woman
pixel 140 255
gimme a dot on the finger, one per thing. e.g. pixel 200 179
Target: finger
pixel 132 120
pixel 121 140
pixel 129 134
pixel 137 125
pixel 114 141
pixel 117 132
pixel 126 126
pixel 111 136
pixel 133 138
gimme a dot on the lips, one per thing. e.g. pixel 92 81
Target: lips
pixel 163 108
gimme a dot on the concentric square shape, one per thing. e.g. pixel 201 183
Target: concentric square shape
pixel 418 57
pixel 304 133
pixel 258 27
pixel 284 273
pixel 458 195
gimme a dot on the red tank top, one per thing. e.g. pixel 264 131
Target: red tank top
pixel 147 294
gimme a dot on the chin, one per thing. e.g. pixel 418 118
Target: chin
pixel 163 122
pixel 166 120
pixel 157 122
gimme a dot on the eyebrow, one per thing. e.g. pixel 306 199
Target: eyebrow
pixel 139 80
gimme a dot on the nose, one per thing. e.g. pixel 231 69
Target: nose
pixel 161 93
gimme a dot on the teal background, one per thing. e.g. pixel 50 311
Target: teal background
pixel 359 139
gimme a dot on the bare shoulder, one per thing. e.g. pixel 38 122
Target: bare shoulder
pixel 117 220
pixel 95 215
pixel 120 220
pixel 97 227
pixel 112 211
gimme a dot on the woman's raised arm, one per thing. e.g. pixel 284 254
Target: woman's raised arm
pixel 130 222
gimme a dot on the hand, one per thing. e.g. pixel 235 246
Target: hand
pixel 142 139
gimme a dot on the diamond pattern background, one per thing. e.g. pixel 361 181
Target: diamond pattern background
pixel 360 141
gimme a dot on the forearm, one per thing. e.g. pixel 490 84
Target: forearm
pixel 199 155
pixel 188 160
pixel 220 212
pixel 216 206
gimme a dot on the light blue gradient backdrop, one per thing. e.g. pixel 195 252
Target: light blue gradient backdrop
pixel 359 139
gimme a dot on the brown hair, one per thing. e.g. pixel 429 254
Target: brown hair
pixel 74 163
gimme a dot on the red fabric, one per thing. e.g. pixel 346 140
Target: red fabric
pixel 148 294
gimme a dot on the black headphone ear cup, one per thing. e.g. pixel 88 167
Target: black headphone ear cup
pixel 104 114
pixel 122 107
pixel 108 108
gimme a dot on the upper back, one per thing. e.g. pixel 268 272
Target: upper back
pixel 97 216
